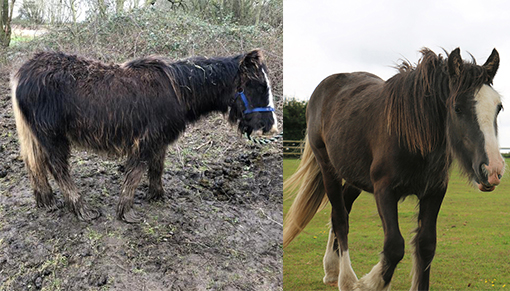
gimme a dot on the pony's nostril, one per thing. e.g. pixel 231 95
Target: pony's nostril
pixel 499 176
pixel 483 167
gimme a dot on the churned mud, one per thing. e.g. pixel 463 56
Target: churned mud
pixel 219 226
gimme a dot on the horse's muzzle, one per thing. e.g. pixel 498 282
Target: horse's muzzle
pixel 490 176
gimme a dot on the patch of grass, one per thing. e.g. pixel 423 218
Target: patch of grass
pixel 53 282
pixel 472 240
pixel 17 39
pixel 94 236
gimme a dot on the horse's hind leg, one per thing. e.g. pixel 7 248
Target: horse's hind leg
pixel 58 163
pixel 331 259
pixel 339 222
pixel 425 239
pixel 135 167
pixel 155 172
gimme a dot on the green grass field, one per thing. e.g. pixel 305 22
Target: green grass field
pixel 473 249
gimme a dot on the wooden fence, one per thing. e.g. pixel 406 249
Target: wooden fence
pixel 293 148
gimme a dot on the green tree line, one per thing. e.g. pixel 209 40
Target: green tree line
pixel 294 119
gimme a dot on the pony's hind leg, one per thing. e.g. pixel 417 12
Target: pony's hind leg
pixel 34 158
pixel 38 176
pixel 331 260
pixel 135 167
pixel 58 163
pixel 155 172
pixel 339 222
pixel 425 239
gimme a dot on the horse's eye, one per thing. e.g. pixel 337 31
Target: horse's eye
pixel 457 109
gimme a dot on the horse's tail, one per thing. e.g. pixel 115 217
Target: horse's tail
pixel 30 149
pixel 310 196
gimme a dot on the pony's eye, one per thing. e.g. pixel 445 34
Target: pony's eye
pixel 457 109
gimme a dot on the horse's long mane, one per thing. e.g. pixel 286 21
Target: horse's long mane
pixel 417 98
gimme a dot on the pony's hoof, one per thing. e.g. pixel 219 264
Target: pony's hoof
pixel 45 200
pixel 86 214
pixel 330 280
pixel 130 216
pixel 56 206
pixel 155 195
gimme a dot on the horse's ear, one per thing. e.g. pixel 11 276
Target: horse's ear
pixel 492 64
pixel 251 63
pixel 455 63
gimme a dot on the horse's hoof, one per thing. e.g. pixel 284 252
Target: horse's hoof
pixel 46 200
pixel 155 195
pixel 130 216
pixel 86 214
pixel 56 206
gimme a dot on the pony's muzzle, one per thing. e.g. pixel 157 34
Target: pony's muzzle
pixel 491 175
pixel 274 129
pixel 261 132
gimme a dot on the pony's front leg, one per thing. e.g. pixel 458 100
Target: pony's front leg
pixel 380 276
pixel 425 239
pixel 134 172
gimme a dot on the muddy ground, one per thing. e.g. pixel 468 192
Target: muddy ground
pixel 219 226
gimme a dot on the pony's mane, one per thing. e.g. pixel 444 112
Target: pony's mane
pixel 194 78
pixel 417 98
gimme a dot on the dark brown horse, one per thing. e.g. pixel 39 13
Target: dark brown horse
pixel 394 139
pixel 134 110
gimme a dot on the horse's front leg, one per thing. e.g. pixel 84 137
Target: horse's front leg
pixel 425 239
pixel 380 276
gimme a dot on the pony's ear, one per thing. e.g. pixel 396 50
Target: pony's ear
pixel 455 63
pixel 492 65
pixel 251 63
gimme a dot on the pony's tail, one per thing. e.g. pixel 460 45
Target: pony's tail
pixel 30 149
pixel 310 196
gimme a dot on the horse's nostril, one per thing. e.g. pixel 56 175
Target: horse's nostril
pixel 483 167
pixel 499 176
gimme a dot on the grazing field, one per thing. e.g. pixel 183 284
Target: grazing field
pixel 473 240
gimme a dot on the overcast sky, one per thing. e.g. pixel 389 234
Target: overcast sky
pixel 324 37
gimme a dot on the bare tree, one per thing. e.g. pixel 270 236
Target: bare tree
pixel 5 22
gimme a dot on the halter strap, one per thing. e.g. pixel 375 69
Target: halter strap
pixel 248 109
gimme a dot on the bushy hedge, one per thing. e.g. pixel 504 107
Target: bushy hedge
pixel 174 34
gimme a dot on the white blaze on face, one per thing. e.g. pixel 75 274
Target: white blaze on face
pixel 274 129
pixel 487 101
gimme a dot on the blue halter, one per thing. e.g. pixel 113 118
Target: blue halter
pixel 249 110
